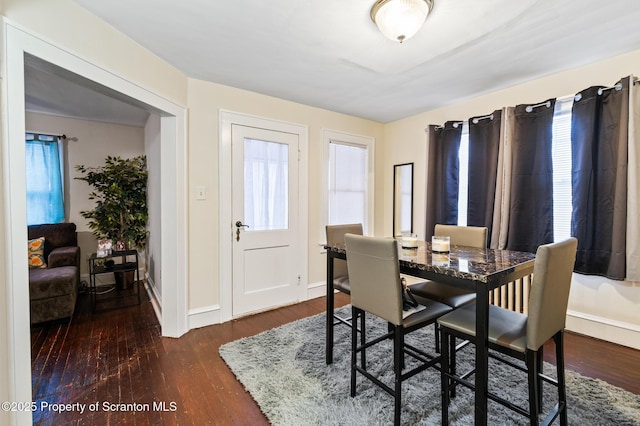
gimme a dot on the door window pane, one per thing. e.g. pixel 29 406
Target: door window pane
pixel 266 181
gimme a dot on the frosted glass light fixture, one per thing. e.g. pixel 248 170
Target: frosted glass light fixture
pixel 399 20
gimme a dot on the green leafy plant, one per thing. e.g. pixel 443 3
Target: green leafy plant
pixel 120 192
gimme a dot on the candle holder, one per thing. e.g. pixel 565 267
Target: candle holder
pixel 440 244
pixel 409 241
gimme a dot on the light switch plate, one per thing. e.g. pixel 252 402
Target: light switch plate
pixel 200 193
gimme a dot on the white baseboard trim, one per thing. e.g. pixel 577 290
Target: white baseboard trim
pixel 154 297
pixel 202 317
pixel 315 290
pixel 618 332
pixel 210 315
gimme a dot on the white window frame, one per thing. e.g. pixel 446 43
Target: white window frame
pixel 344 138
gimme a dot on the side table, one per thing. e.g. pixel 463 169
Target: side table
pixel 128 264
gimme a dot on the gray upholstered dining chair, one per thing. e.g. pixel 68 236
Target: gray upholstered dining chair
pixel 522 336
pixel 376 287
pixel 335 236
pixel 469 236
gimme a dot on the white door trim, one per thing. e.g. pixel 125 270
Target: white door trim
pixel 19 41
pixel 227 228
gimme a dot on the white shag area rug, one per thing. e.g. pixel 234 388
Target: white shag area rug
pixel 285 372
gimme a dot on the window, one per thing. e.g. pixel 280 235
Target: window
pixel 349 182
pixel 561 157
pixel 463 189
pixel 44 182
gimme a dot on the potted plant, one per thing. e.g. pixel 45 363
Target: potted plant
pixel 119 188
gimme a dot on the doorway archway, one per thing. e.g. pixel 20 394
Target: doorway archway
pixel 173 205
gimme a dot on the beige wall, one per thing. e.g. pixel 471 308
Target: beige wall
pixel 88 143
pixel 205 101
pixel 598 307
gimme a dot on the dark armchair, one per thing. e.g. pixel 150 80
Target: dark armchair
pixel 53 290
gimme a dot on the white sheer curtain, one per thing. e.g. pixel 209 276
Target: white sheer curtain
pixel 266 181
pixel 347 184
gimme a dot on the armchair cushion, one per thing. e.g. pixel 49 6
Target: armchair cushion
pixel 52 282
pixel 64 256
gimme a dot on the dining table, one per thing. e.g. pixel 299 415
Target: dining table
pixel 480 270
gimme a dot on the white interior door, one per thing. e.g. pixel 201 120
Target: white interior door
pixel 265 219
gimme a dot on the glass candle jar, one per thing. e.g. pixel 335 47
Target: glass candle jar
pixel 409 241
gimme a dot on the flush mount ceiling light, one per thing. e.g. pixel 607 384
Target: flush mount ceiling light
pixel 399 20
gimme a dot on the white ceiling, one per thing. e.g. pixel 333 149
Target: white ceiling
pixel 50 89
pixel 330 54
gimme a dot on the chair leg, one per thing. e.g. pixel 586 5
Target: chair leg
pixel 363 340
pixel 558 338
pixel 444 380
pixel 354 343
pixel 532 370
pixel 398 360
pixel 452 362
pixel 436 329
pixel 540 359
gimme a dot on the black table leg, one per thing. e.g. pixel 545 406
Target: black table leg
pixel 482 355
pixel 330 297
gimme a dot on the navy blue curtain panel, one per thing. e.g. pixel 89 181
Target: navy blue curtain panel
pixel 443 175
pixel 531 204
pixel 484 146
pixel 599 136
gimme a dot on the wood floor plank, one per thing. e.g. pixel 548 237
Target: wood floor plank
pixel 119 356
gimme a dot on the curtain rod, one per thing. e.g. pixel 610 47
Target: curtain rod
pixel 63 136
pixel 618 87
pixel 455 125
pixel 530 108
pixel 477 119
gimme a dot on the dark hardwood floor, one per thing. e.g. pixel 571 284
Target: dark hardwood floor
pixel 118 357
